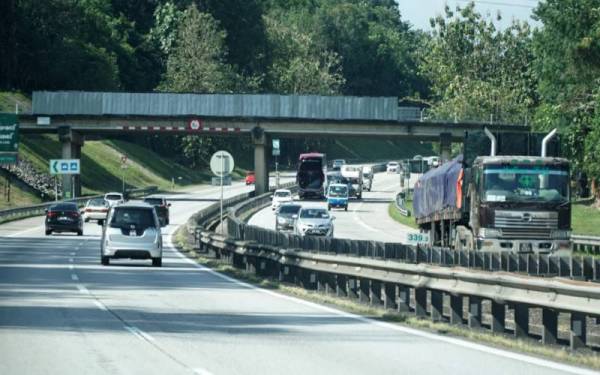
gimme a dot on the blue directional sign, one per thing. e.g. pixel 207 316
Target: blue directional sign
pixel 65 166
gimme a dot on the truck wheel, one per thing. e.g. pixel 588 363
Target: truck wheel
pixel 328 207
pixel 346 208
pixel 105 260
pixel 156 262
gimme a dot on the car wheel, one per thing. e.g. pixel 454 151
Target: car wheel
pixel 105 260
pixel 328 207
pixel 87 220
pixel 80 232
pixel 345 208
pixel 48 232
pixel 156 262
pixel 167 221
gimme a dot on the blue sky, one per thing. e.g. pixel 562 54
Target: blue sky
pixel 418 12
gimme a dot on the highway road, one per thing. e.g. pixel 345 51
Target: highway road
pixel 61 312
pixel 367 219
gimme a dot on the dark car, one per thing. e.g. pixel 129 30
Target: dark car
pixel 284 218
pixel 64 217
pixel 162 208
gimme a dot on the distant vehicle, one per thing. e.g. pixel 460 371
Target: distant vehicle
pixel 354 175
pixel 281 196
pixel 337 164
pixel 250 178
pixel 314 221
pixel 131 231
pixel 63 217
pixel 337 196
pixel 284 217
pixel 393 167
pixel 432 161
pixel 417 166
pixel 95 209
pixel 162 208
pixel 114 198
pixel 311 175
pixel 367 178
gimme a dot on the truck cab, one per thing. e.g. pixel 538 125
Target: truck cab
pixel 354 175
pixel 337 196
pixel 367 178
pixel 520 204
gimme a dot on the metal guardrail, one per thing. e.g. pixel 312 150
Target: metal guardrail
pixel 367 275
pixel 399 203
pixel 39 209
pixel 390 285
pixel 586 244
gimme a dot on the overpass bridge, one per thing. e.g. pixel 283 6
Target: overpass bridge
pixel 75 115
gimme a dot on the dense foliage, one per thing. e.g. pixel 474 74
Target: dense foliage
pixel 465 68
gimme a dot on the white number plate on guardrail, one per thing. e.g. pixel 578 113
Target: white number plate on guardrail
pixel 416 238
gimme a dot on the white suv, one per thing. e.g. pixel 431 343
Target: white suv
pixel 114 198
pixel 392 167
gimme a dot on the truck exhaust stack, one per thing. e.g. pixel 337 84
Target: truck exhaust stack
pixel 493 139
pixel 545 142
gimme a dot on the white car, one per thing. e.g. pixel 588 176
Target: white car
pixel 131 231
pixel 114 199
pixel 281 196
pixel 314 221
pixel 95 209
pixel 393 167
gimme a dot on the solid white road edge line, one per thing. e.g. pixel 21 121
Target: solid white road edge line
pixel 83 289
pixel 450 340
pixel 201 371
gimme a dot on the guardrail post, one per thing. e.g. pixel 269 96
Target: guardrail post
pixel 341 286
pixel 456 309
pixel 403 298
pixel 389 296
pixel 375 293
pixel 437 305
pixel 421 302
pixel 363 291
pixel 285 273
pixel 521 320
pixel 578 331
pixel 549 326
pixel 352 289
pixel 474 312
pixel 498 317
pixel 330 284
pixel 308 279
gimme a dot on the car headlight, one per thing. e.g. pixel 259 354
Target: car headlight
pixel 561 234
pixel 490 232
pixel 281 220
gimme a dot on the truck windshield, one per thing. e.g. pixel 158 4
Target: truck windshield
pixel 525 183
pixel 338 191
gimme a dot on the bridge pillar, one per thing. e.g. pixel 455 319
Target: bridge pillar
pixel 261 160
pixel 71 149
pixel 445 146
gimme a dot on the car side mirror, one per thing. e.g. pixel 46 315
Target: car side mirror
pixel 168 204
pixel 101 222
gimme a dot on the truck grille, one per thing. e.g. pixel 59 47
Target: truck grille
pixel 519 224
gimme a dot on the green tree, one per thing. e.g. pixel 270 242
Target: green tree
pixel 478 72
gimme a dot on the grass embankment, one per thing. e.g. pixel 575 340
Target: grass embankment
pixel 405 220
pixel 526 346
pixel 101 164
pixel 18 196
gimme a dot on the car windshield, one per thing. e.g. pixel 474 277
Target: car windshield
pixel 138 217
pixel 338 191
pixel 64 207
pixel 283 194
pixel 289 210
pixel 154 201
pixel 113 197
pixel 97 202
pixel 519 183
pixel 314 214
pixel 392 164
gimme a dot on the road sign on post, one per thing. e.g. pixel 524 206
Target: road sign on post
pixel 65 166
pixel 221 164
pixel 9 138
pixel 276 153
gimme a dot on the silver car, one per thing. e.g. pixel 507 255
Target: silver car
pixel 131 230
pixel 314 221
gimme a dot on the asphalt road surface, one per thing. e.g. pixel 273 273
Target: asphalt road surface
pixel 366 219
pixel 61 312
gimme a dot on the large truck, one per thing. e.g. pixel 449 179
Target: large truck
pixel 311 175
pixel 508 200
pixel 354 175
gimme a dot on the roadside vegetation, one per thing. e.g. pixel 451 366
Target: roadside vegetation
pixel 395 214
